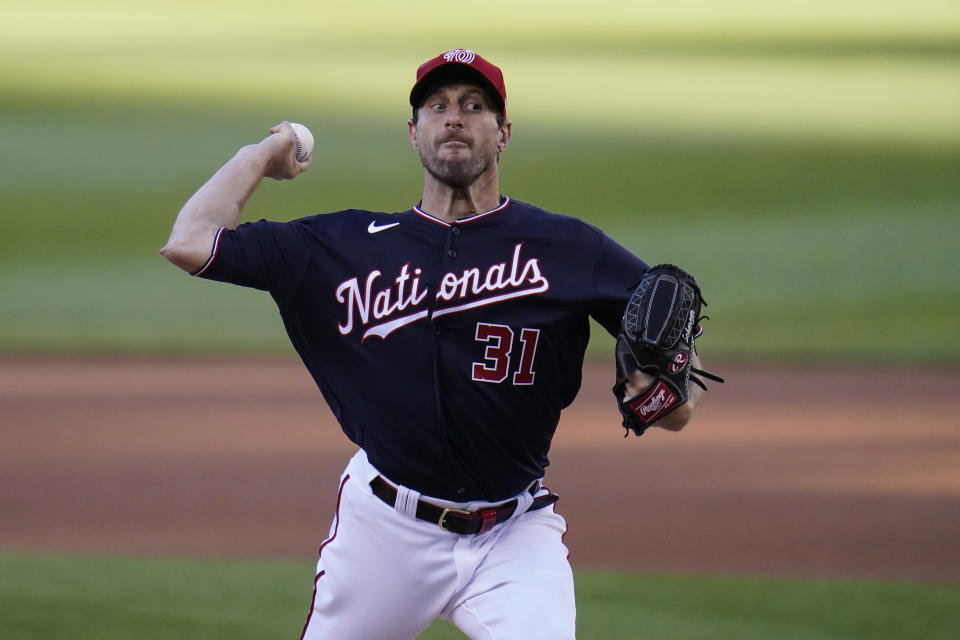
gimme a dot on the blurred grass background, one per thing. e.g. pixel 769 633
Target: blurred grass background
pixel 800 158
pixel 159 598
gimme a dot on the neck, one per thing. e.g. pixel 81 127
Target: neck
pixel 452 203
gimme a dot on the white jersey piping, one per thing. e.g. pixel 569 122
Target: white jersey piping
pixel 503 205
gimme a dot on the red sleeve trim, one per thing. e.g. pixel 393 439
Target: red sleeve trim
pixel 213 253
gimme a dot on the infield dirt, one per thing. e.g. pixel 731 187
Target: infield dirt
pixel 806 472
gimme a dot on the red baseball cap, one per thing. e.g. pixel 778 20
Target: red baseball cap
pixel 460 63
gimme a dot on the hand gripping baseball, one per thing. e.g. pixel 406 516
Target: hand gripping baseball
pixel 283 146
pixel 657 333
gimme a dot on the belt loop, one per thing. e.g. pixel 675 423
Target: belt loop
pixel 406 503
pixel 524 502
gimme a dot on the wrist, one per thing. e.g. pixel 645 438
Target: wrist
pixel 252 161
pixel 254 154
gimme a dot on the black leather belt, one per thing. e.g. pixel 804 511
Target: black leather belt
pixel 457 520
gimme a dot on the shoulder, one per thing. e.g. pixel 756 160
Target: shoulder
pixel 554 221
pixel 559 229
pixel 335 223
pixel 343 217
pixel 591 242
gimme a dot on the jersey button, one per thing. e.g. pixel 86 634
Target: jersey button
pixel 452 253
pixel 455 231
pixel 437 331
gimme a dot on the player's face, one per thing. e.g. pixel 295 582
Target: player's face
pixel 457 135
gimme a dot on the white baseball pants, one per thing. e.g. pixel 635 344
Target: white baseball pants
pixel 385 575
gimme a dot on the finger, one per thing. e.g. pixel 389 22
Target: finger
pixel 277 128
pixel 303 166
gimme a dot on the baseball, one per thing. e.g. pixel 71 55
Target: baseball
pixel 303 141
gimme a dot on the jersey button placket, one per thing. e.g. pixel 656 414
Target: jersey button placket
pixel 451 254
pixel 451 250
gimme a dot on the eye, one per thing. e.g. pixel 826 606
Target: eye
pixel 438 107
pixel 474 106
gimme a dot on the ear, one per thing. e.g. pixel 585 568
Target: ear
pixel 412 132
pixel 504 136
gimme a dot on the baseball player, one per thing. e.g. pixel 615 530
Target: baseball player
pixel 446 339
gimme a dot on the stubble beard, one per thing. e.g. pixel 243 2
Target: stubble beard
pixel 457 174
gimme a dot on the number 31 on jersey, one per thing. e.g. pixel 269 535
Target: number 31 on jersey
pixel 496 363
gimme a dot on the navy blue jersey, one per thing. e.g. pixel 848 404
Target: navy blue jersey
pixel 445 351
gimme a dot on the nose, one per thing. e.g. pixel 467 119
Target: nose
pixel 453 117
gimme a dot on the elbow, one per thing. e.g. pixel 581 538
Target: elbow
pixel 169 251
pixel 180 256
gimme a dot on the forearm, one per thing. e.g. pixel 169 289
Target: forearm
pixel 678 418
pixel 218 203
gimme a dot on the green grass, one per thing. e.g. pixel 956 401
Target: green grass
pixel 690 607
pixel 801 163
pixel 102 598
pixel 805 250
pixel 83 597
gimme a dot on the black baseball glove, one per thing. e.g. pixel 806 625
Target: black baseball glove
pixel 656 337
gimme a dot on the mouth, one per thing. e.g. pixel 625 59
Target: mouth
pixel 454 142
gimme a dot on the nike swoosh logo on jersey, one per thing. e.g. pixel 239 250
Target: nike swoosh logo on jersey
pixel 375 228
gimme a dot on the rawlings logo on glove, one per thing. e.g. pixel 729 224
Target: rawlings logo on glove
pixel 657 333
